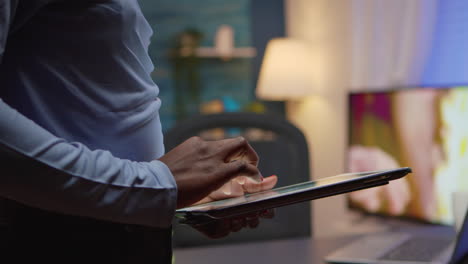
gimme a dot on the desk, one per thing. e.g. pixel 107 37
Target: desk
pixel 297 251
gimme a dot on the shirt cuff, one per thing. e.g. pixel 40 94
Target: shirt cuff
pixel 167 180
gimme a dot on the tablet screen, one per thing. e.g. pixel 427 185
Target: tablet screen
pixel 278 192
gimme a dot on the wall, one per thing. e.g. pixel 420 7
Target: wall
pixel 230 81
pixel 322 117
pixel 214 78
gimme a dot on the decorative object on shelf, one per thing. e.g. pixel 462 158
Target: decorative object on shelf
pixel 224 47
pixel 256 107
pixel 224 41
pixel 222 104
pixel 286 72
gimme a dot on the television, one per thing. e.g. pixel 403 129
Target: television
pixel 425 128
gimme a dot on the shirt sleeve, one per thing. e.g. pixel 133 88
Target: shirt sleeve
pixel 47 172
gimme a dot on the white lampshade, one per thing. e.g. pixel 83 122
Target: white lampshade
pixel 286 71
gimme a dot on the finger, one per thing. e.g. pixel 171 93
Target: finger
pixel 250 155
pixel 252 219
pixel 204 200
pixel 230 147
pixel 237 148
pixel 267 184
pixel 241 168
pixel 269 213
pixel 253 222
pixel 216 229
pixel 237 224
pixel 229 190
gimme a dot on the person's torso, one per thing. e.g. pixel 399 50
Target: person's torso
pixel 81 70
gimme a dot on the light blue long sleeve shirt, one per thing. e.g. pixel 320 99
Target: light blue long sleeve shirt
pixel 76 95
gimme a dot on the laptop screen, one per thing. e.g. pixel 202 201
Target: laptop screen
pixel 423 128
pixel 461 249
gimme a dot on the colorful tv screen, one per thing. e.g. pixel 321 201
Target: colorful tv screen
pixel 423 128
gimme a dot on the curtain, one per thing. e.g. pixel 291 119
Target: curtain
pixel 390 42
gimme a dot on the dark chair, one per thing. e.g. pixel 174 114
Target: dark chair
pixel 283 151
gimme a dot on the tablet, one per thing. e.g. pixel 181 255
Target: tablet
pixel 286 195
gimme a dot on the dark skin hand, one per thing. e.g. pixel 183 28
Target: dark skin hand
pixel 214 170
pixel 201 167
pixel 223 227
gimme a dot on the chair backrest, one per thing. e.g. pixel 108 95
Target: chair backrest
pixel 283 151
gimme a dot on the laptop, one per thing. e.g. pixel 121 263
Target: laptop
pixel 397 248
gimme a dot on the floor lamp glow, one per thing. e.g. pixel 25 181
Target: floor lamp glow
pixel 286 72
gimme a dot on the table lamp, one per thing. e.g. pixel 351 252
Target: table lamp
pixel 286 71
